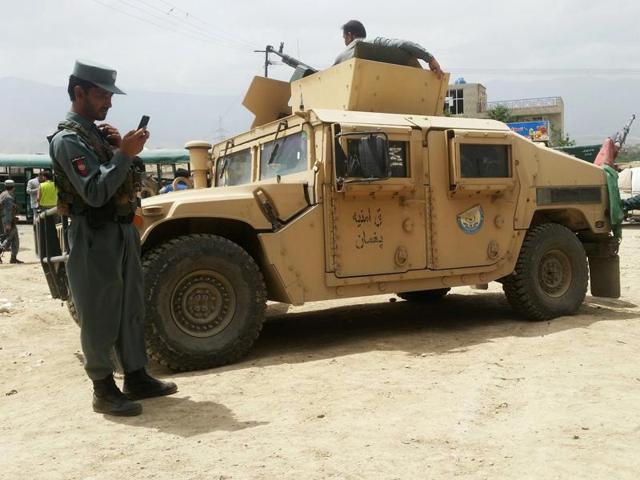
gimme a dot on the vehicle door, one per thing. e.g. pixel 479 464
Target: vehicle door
pixel 472 197
pixel 375 213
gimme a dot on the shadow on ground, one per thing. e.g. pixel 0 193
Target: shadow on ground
pixel 448 326
pixel 168 414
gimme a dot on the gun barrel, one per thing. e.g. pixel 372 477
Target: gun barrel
pixel 289 60
pixel 622 137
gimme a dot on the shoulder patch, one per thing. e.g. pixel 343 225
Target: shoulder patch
pixel 79 166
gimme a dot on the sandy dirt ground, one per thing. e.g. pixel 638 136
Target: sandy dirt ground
pixel 360 389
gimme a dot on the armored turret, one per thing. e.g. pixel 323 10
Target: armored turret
pixel 378 79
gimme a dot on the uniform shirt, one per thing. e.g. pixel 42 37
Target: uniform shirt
pixel 411 48
pixel 96 183
pixel 7 208
pixel 33 186
pixel 48 194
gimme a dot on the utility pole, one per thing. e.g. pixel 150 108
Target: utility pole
pixel 220 133
pixel 268 49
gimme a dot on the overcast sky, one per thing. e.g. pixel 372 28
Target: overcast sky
pixel 206 46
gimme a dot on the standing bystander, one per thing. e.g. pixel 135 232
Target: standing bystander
pixel 48 193
pixel 8 212
pixel 33 186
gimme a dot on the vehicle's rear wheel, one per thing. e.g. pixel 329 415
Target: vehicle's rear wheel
pixel 551 274
pixel 424 295
pixel 205 302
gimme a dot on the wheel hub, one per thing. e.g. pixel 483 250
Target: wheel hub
pixel 203 303
pixel 555 273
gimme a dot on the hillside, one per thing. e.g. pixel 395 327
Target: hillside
pixel 30 111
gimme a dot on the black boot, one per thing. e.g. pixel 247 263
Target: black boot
pixel 139 385
pixel 108 399
pixel 15 260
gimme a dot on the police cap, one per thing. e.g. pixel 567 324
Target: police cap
pixel 103 77
pixel 9 183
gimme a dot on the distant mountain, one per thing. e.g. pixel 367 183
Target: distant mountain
pixel 595 107
pixel 30 111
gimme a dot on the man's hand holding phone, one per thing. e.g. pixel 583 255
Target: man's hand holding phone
pixel 133 142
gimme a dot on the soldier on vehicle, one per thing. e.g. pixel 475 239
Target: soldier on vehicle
pixel 94 176
pixel 353 32
pixel 8 212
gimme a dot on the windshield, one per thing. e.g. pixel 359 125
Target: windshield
pixel 234 169
pixel 290 156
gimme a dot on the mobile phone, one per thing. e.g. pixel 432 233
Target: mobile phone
pixel 144 121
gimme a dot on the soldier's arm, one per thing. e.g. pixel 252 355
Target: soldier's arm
pixel 411 48
pixel 96 183
pixel 632 203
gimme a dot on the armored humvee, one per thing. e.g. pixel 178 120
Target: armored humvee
pixel 351 182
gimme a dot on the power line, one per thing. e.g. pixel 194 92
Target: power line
pixel 213 32
pixel 174 8
pixel 170 22
pixel 163 25
pixel 547 71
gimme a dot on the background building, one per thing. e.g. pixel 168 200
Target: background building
pixel 470 100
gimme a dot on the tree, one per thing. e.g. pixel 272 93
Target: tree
pixel 558 140
pixel 500 113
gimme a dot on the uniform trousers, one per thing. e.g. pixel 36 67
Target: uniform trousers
pixel 11 241
pixel 106 283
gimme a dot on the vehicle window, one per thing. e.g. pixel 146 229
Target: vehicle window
pixel 234 169
pixel 290 156
pixel 484 161
pixel 398 159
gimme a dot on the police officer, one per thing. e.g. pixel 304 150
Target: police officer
pixel 8 212
pixel 94 174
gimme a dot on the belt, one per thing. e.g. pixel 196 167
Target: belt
pixel 92 218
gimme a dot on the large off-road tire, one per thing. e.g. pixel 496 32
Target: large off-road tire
pixel 551 274
pixel 424 295
pixel 205 302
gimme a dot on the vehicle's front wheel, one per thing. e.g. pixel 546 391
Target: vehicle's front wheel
pixel 550 278
pixel 205 302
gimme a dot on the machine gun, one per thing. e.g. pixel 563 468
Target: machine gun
pixel 301 69
pixel 620 137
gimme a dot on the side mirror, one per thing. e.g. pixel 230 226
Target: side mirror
pixel 373 153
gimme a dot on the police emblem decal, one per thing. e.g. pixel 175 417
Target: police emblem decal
pixel 79 166
pixel 470 221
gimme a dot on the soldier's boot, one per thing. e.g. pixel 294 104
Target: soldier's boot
pixel 108 399
pixel 15 260
pixel 139 384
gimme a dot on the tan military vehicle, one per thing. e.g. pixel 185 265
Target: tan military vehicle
pixel 351 182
